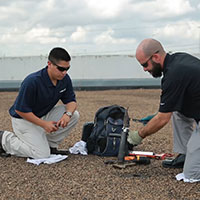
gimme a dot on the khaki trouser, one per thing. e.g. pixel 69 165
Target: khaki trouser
pixel 187 141
pixel 30 140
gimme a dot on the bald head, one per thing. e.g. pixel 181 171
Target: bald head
pixel 147 48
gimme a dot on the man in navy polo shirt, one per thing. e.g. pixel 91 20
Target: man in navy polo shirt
pixel 39 124
pixel 180 98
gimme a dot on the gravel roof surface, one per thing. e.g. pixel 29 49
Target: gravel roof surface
pixel 88 177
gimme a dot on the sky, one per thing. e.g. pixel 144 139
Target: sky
pixel 97 27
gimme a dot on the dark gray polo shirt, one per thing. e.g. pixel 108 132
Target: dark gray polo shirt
pixel 181 85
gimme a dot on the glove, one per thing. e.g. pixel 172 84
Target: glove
pixel 134 138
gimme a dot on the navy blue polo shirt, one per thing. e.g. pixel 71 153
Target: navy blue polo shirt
pixel 181 85
pixel 37 94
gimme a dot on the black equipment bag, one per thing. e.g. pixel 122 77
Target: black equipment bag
pixel 104 139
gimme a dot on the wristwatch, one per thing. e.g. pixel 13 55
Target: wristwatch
pixel 68 113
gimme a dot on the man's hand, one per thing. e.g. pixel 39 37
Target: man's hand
pixel 134 138
pixel 50 126
pixel 63 121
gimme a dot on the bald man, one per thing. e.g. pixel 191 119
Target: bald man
pixel 180 99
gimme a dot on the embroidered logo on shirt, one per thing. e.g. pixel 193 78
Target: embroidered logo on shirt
pixel 162 104
pixel 62 90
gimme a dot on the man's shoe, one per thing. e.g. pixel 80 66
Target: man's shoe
pixel 59 151
pixel 178 162
pixel 2 152
pixel 1 147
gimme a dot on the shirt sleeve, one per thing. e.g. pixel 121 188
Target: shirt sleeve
pixel 68 95
pixel 172 96
pixel 25 100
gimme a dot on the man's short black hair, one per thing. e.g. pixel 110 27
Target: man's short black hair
pixel 58 53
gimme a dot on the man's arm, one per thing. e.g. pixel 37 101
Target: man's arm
pixel 70 107
pixel 155 124
pixel 48 126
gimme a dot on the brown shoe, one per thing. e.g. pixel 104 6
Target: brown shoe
pixel 59 151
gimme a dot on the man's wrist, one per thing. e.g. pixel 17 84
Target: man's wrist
pixel 68 113
pixel 141 135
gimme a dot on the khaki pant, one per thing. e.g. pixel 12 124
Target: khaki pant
pixel 30 140
pixel 187 141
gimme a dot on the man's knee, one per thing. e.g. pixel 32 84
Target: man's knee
pixel 38 154
pixel 76 116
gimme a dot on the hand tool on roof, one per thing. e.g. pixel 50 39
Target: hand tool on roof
pixel 122 163
pixel 132 160
pixel 123 148
pixel 129 161
pixel 158 156
pixel 144 120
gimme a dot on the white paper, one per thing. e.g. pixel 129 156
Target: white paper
pixel 79 148
pixel 181 176
pixel 52 159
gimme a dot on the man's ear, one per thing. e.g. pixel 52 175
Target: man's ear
pixel 156 58
pixel 49 63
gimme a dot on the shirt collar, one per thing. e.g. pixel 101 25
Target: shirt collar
pixel 166 61
pixel 47 78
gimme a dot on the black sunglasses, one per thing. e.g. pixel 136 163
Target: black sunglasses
pixel 61 69
pixel 145 65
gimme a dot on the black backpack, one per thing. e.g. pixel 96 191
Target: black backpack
pixel 104 139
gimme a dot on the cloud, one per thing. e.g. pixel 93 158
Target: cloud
pixel 186 30
pixel 107 38
pixel 95 25
pixel 41 35
pixel 162 8
pixel 79 35
pixel 105 8
pixel 36 35
pixel 171 8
